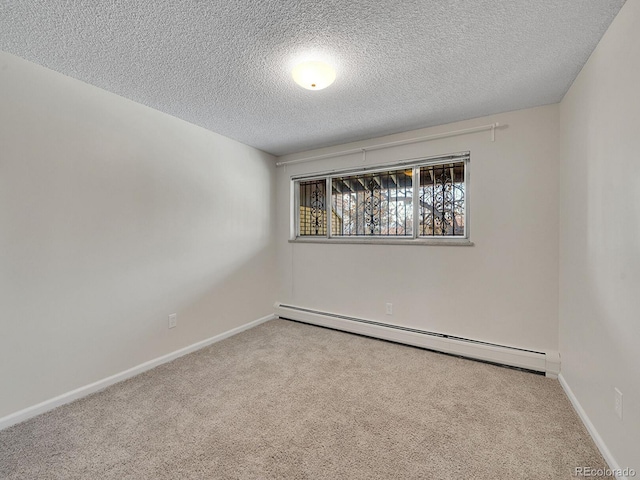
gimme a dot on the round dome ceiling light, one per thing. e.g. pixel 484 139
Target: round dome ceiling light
pixel 313 75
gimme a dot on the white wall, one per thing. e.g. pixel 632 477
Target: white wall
pixel 112 216
pixel 600 236
pixel 504 289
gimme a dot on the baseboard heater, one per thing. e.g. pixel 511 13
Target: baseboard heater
pixel 547 363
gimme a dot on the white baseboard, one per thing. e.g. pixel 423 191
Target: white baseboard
pixel 549 363
pixel 29 412
pixel 608 457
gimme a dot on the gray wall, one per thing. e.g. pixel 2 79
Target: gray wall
pixel 112 216
pixel 504 289
pixel 600 236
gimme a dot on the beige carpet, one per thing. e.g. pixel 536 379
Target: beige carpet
pixel 286 400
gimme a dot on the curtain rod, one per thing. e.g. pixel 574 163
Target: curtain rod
pixel 407 162
pixel 380 146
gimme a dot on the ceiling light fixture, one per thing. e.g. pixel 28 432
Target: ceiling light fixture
pixel 313 75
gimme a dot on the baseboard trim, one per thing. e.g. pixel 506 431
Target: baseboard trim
pixel 541 362
pixel 30 412
pixel 608 457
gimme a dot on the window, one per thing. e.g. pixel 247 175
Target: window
pixel 442 200
pixel 414 200
pixel 373 204
pixel 313 214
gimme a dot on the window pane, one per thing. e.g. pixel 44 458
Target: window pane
pixel 312 220
pixel 442 200
pixel 373 204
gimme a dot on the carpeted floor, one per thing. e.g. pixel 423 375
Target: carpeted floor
pixel 287 400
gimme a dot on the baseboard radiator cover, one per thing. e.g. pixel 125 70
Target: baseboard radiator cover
pixel 547 363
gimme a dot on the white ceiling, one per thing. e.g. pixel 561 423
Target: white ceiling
pixel 401 65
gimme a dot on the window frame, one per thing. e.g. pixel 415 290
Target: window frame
pixel 415 239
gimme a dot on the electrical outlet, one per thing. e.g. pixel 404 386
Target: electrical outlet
pixel 173 320
pixel 389 308
pixel 617 406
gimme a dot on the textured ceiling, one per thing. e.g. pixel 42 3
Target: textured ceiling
pixel 225 65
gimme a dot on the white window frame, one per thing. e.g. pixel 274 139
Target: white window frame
pixel 415 238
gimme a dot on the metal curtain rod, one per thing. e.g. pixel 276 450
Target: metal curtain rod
pixel 380 146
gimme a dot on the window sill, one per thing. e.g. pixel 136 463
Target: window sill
pixel 443 242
